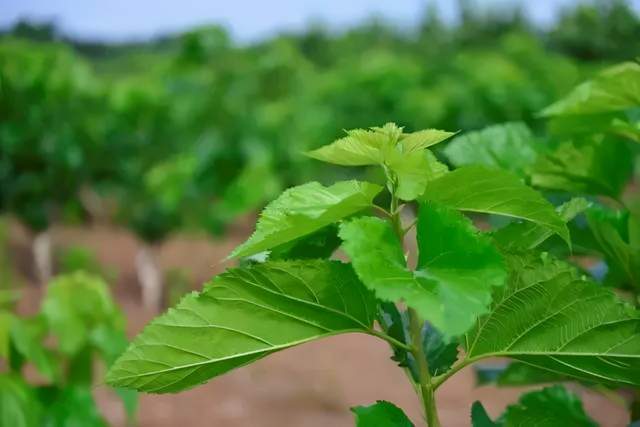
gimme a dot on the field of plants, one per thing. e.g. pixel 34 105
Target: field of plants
pixel 401 227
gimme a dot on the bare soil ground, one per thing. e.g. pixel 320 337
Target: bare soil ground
pixel 313 385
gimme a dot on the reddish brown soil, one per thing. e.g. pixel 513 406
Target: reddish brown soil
pixel 309 386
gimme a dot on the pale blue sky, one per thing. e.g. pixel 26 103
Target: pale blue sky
pixel 246 19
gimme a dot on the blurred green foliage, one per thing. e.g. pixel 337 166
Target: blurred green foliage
pixel 78 323
pixel 190 131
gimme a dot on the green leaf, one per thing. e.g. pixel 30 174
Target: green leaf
pixel 404 156
pixel 255 185
pixel 320 244
pixel 6 319
pixel 74 406
pixel 549 318
pixel 28 336
pixel 359 148
pixel 457 267
pixel 509 146
pixel 459 264
pixel 494 191
pixel 74 305
pixel 304 209
pixel 414 171
pixel 19 406
pixel 479 416
pixel 519 236
pixel 441 354
pixel 549 407
pixel 521 374
pixel 611 232
pixel 617 88
pixel 418 141
pixel 515 374
pixel 242 316
pixel 381 414
pixel 598 166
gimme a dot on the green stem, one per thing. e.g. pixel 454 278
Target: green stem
pixel 425 385
pixel 427 389
pixel 391 340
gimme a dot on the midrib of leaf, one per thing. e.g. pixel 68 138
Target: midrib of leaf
pixel 237 355
pixel 317 305
pixel 310 299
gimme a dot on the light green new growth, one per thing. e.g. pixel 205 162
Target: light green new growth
pixel 304 209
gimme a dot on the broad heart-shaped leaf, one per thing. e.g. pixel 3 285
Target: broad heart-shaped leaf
pixel 548 317
pixel 615 89
pixel 509 146
pixel 242 316
pixel 304 209
pixel 457 267
pixel 19 406
pixel 462 265
pixel 598 165
pixel 519 236
pixel 494 191
pixel 381 414
pixel 549 407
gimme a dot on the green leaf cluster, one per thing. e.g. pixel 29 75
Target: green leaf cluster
pixel 80 318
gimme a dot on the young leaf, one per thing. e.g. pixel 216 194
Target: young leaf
pixel 519 236
pixel 509 146
pixel 404 156
pixel 494 191
pixel 596 166
pixel 19 406
pixel 301 210
pixel 418 141
pixel 359 148
pixel 413 171
pixel 615 89
pixel 548 317
pixel 381 414
pixel 243 315
pixel 457 268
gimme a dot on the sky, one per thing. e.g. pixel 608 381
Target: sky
pixel 122 20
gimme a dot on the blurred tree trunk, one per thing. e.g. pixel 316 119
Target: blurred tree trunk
pixel 149 277
pixel 42 256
